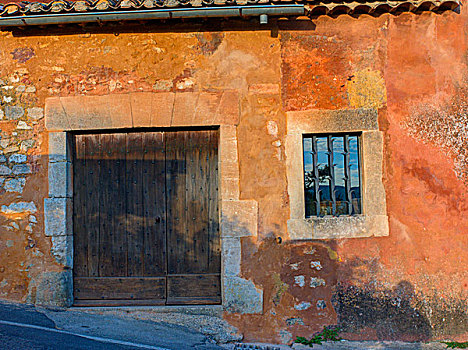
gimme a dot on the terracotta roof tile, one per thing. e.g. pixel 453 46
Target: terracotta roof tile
pixel 314 8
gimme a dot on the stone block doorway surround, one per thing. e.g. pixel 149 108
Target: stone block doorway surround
pixel 238 217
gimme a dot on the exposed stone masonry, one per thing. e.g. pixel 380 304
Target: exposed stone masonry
pixel 17 140
pixel 20 123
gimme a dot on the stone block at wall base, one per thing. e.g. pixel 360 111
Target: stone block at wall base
pixel 62 250
pixel 60 180
pixel 57 215
pixel 52 289
pixel 231 256
pixel 241 296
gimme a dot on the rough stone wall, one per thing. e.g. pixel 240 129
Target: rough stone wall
pixel 23 180
pixel 411 285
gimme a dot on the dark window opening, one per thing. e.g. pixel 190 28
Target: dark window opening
pixel 332 180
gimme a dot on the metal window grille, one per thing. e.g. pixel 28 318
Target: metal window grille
pixel 332 179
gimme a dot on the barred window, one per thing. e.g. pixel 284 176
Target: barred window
pixel 332 180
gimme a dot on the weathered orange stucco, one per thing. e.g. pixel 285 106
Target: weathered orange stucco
pixel 410 285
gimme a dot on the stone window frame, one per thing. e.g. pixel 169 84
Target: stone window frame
pixel 238 217
pixel 373 221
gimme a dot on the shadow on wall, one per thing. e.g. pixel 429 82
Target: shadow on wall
pixel 393 314
pixel 397 313
pixel 307 286
pixel 199 25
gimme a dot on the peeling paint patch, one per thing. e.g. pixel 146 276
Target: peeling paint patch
pixel 162 85
pixel 96 81
pixel 295 266
pixel 366 89
pixel 23 54
pixel 312 77
pixel 15 185
pixel 285 336
pixel 241 296
pixel 272 128
pixel 332 254
pixel 208 42
pixel 445 126
pixel 321 304
pixel 185 84
pixel 316 265
pixel 304 305
pixel 295 320
pixel 310 251
pixel 184 81
pixel 20 207
pixel 280 288
pixel 299 280
pixel 30 244
pixel 316 282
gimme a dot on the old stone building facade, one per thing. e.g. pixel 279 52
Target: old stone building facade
pixel 391 74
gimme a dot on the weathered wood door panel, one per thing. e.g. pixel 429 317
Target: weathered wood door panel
pixel 194 256
pixel 154 205
pixel 112 244
pixel 146 218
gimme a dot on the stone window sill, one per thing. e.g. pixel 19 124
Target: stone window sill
pixel 331 227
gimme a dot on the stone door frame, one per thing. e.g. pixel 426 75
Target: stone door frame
pixel 238 217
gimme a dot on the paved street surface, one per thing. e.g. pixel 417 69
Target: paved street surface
pixel 27 328
pixel 24 327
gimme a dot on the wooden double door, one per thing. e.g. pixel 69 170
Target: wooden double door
pixel 145 218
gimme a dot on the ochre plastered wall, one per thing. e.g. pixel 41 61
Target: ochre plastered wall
pixel 410 285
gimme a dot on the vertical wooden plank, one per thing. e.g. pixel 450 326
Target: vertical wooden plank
pixel 197 203
pixel 119 206
pixel 112 247
pixel 194 245
pixel 214 250
pixel 189 255
pixel 154 203
pixel 80 241
pixel 135 210
pixel 93 165
pixel 105 211
pixel 176 200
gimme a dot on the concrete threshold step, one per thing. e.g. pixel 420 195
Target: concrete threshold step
pixel 207 310
pixel 204 319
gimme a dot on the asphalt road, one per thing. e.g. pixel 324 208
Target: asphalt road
pixel 21 338
pixel 24 327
